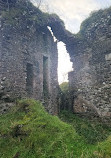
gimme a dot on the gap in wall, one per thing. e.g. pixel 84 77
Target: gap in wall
pixel 64 63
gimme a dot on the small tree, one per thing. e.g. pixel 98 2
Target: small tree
pixel 37 2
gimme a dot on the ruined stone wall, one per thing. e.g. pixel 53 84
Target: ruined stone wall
pixel 22 54
pixel 91 78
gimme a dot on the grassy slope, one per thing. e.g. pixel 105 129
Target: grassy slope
pixel 29 132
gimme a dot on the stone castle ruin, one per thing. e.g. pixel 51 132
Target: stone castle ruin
pixel 91 57
pixel 28 58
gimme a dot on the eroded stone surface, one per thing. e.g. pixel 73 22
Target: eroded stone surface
pixel 30 48
pixel 91 77
pixel 28 60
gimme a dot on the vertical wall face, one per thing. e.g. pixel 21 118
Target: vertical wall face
pixel 91 79
pixel 26 64
pixel 50 77
pixel 54 78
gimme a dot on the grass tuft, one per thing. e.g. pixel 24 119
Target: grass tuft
pixel 28 131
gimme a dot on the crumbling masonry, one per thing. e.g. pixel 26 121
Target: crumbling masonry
pixel 91 57
pixel 28 59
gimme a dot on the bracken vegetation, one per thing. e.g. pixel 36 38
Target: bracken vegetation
pixel 28 131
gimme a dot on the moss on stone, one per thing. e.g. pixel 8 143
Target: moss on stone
pixel 95 19
pixel 24 11
pixel 12 16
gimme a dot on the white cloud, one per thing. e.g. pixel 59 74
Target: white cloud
pixel 74 10
pixel 64 64
pixel 68 10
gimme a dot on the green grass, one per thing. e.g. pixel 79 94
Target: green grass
pixel 93 129
pixel 27 131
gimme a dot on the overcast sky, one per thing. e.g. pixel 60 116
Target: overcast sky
pixel 72 12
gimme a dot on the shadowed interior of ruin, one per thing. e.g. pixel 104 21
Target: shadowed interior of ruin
pixel 29 79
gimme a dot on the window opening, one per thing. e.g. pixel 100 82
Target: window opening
pixel 45 76
pixel 29 79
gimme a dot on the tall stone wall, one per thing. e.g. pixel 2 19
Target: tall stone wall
pixel 26 54
pixel 28 58
pixel 91 78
